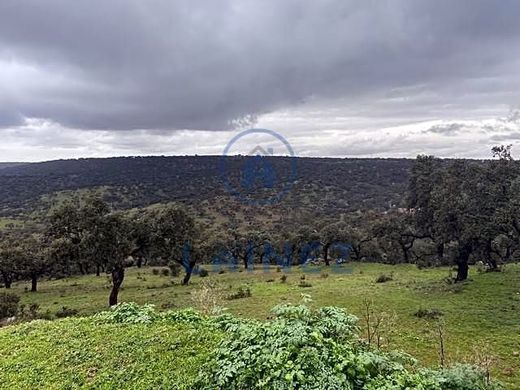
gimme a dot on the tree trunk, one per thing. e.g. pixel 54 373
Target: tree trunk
pixel 462 263
pixel 406 255
pixel 189 270
pixel 490 261
pixel 8 283
pixel 248 257
pixel 98 270
pixel 326 254
pixel 118 275
pixel 139 262
pixel 462 271
pixel 440 252
pixel 34 283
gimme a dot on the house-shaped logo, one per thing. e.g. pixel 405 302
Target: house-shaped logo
pixel 259 151
pixel 258 170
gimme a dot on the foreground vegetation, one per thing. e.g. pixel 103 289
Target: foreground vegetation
pixel 136 347
pixel 480 317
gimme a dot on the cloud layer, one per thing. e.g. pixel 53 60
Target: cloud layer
pixel 94 77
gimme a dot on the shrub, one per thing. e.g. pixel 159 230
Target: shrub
pixel 383 278
pixel 208 297
pixel 189 315
pixel 304 284
pixel 9 305
pixel 243 292
pixel 283 278
pixel 203 272
pixel 34 310
pixel 165 272
pixel 431 314
pixel 175 269
pixel 155 271
pixel 278 269
pixel 318 349
pixel 66 312
pixel 128 313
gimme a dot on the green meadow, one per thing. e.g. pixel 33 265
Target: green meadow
pixel 480 319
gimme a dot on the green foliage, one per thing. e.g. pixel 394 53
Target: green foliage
pixel 242 292
pixel 320 349
pixel 132 346
pixel 128 313
pixel 189 316
pixel 8 305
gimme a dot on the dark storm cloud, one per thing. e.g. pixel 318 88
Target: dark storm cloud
pixel 129 64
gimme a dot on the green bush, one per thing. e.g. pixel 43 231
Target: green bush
pixel 305 349
pixel 430 314
pixel 203 272
pixel 66 312
pixel 8 305
pixel 128 313
pixel 383 278
pixel 243 292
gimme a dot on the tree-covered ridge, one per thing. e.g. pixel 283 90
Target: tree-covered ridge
pixel 332 185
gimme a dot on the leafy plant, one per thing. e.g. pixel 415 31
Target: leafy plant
pixel 319 349
pixel 128 313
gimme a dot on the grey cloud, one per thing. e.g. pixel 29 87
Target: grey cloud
pixel 506 137
pixel 449 129
pixel 128 64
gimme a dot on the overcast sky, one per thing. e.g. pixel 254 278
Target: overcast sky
pixel 81 78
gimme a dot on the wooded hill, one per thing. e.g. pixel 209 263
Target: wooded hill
pixel 325 185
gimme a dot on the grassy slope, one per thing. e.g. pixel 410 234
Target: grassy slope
pixel 485 313
pixel 74 353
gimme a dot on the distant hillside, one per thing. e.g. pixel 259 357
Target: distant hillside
pixel 326 185
pixel 10 164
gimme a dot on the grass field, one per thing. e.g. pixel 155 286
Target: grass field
pixel 481 316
